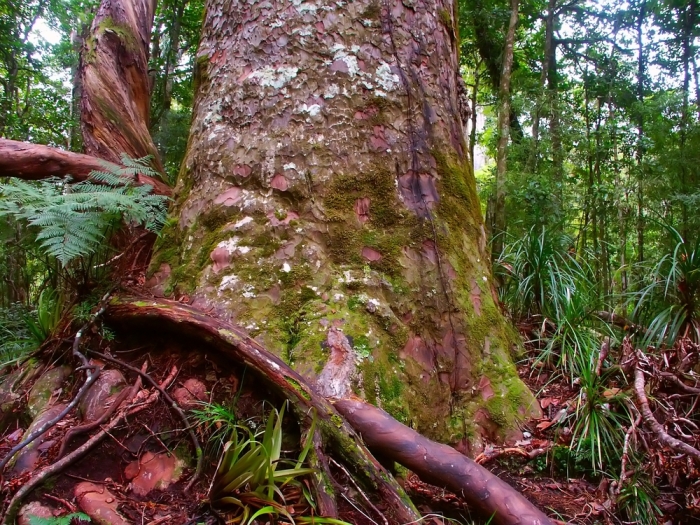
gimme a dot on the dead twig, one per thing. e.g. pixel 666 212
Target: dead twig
pixel 87 427
pixel 91 378
pixel 651 421
pixel 173 405
pixel 62 463
pixel 625 454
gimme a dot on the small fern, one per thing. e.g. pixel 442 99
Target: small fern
pixel 59 520
pixel 73 219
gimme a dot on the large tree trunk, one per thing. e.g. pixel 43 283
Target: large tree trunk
pixel 326 201
pixel 326 185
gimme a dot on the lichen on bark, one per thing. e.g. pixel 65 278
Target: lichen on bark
pixel 325 186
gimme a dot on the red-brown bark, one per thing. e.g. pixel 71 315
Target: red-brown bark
pixel 35 162
pixel 115 95
pixel 440 465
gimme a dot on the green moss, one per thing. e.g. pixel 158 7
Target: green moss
pixel 298 388
pixel 445 17
pixel 337 420
pixel 123 32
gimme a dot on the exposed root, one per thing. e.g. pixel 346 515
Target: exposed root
pixel 233 342
pixel 172 404
pixel 438 464
pixel 55 468
pixel 651 421
pixel 673 379
pixel 93 374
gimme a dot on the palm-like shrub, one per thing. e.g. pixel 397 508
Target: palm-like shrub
pixel 541 278
pixel 668 304
pixel 255 480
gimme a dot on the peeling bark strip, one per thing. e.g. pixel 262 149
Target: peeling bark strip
pixel 433 462
pixel 35 162
pixel 114 75
pixel 441 465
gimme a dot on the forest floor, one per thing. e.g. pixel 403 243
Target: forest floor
pixel 116 468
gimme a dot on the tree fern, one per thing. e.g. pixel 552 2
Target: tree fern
pixel 73 219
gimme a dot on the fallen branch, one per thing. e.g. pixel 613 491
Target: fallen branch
pixel 621 322
pixel 651 421
pixel 58 466
pixel 35 162
pixel 441 465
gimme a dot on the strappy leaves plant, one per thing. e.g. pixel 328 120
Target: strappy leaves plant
pixel 668 305
pixel 252 476
pixel 72 220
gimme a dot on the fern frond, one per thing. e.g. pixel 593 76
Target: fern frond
pixel 72 220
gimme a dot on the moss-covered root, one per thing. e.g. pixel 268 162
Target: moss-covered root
pixel 338 437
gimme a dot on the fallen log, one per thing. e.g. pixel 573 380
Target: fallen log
pixel 433 462
pixel 35 162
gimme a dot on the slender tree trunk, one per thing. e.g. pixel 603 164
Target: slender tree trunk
pixel 115 101
pixel 542 96
pixel 641 74
pixel 499 216
pixel 474 114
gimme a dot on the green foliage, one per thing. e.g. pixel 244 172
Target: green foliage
pixel 23 331
pixel 668 304
pixel 49 309
pixel 541 278
pixel 249 477
pixel 217 419
pixel 73 220
pixel 600 417
pixel 636 500
pixel 68 519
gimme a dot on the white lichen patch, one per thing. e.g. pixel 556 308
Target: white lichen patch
pixel 341 53
pixel 228 281
pixel 242 222
pixel 274 77
pixel 231 246
pixel 313 110
pixel 386 79
pixel 286 268
pixel 331 91
pixel 248 291
pixel 307 7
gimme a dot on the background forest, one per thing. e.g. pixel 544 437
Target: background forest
pixel 585 138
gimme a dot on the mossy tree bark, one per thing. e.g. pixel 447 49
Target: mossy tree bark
pixel 327 185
